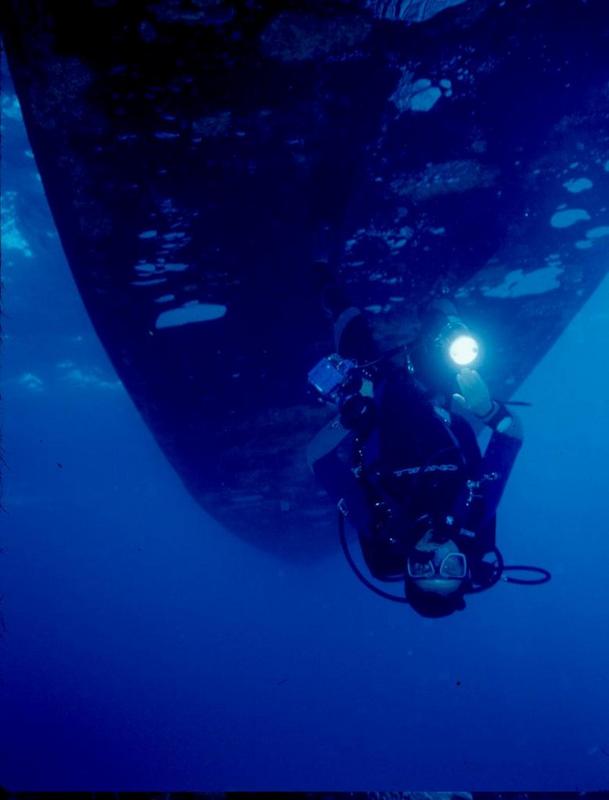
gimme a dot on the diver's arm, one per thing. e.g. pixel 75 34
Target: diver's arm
pixel 475 399
pixel 497 464
pixel 504 444
pixel 505 441
pixel 503 421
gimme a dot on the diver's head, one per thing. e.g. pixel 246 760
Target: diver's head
pixel 436 574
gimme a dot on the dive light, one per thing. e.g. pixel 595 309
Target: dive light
pixel 463 350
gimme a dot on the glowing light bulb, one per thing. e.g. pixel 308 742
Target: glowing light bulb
pixel 464 350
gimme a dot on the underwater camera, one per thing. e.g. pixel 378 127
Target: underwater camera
pixel 339 381
pixel 330 376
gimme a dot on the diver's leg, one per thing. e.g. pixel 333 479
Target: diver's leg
pixel 352 335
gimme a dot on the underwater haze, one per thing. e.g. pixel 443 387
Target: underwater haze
pixel 146 646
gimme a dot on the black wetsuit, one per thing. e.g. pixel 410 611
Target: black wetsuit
pixel 410 459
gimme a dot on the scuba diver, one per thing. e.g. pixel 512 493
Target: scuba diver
pixel 402 462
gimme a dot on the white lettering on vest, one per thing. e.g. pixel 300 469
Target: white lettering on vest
pixel 428 468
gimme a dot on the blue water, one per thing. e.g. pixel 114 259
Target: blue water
pixel 146 647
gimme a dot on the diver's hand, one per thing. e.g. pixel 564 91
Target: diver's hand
pixel 474 395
